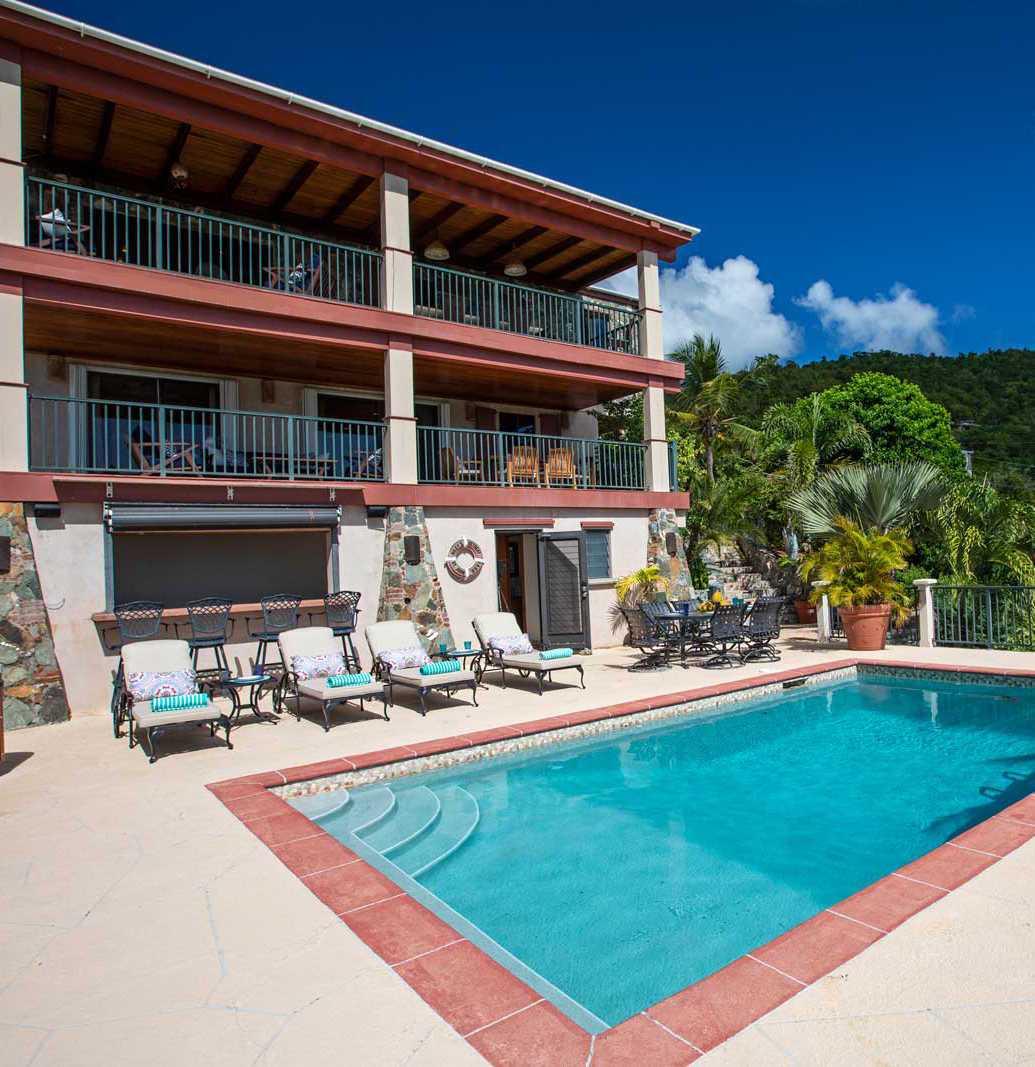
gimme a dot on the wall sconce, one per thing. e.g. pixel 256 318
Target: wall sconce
pixel 411 549
pixel 268 391
pixel 179 175
pixel 56 369
pixel 672 543
pixel 5 555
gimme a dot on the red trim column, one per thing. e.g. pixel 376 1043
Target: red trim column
pixel 13 414
pixel 652 345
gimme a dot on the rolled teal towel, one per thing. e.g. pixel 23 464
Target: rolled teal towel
pixel 442 666
pixel 557 653
pixel 339 680
pixel 180 703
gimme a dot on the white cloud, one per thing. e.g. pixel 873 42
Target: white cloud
pixel 899 322
pixel 729 301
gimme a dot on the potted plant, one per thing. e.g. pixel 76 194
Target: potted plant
pixel 636 588
pixel 859 568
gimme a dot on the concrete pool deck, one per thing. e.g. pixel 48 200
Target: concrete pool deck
pixel 141 920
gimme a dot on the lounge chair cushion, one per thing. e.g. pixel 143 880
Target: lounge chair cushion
pixel 400 658
pixel 532 662
pixel 309 641
pixel 145 718
pixel 146 685
pixel 511 646
pixel 395 633
pixel 412 676
pixel 495 624
pixel 321 665
pixel 318 689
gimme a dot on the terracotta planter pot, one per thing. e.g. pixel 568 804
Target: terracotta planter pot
pixel 866 626
pixel 806 611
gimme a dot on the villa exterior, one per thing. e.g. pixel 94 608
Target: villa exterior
pixel 252 344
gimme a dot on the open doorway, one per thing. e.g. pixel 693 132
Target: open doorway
pixel 511 571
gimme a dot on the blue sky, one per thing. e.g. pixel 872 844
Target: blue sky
pixel 861 144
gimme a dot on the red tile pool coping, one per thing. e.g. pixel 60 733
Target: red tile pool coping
pixel 507 1021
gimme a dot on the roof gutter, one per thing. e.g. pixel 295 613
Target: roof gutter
pixel 292 99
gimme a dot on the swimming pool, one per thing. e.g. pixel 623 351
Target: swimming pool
pixel 614 871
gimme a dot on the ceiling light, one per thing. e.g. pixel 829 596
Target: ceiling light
pixel 515 268
pixel 179 174
pixel 436 250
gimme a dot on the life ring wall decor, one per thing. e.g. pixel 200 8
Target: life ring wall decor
pixel 465 560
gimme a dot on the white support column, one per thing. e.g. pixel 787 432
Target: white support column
pixel 13 413
pixel 397 269
pixel 824 624
pixel 397 292
pixel 652 346
pixel 925 610
pixel 400 422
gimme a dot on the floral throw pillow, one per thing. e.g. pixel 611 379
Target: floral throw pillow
pixel 322 666
pixel 510 646
pixel 146 685
pixel 400 658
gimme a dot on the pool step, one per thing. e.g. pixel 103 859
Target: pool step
pixel 457 820
pixel 415 811
pixel 364 809
pixel 322 805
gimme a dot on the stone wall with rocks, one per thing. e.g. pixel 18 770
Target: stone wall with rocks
pixel 674 569
pixel 33 690
pixel 412 591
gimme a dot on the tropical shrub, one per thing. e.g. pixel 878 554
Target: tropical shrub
pixel 859 566
pixel 644 584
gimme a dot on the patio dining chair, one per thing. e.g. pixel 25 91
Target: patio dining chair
pixel 725 635
pixel 646 636
pixel 460 469
pixel 341 610
pixel 761 628
pixel 210 625
pixel 61 233
pixel 139 620
pixel 279 613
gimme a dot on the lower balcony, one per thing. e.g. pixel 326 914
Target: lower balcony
pixel 106 437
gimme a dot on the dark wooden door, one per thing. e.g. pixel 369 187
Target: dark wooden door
pixel 563 591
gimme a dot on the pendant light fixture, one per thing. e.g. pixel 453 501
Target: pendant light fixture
pixel 514 267
pixel 436 250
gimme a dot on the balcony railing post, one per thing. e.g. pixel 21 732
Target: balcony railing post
pixel 161 441
pixel 501 472
pixel 159 262
pixel 290 424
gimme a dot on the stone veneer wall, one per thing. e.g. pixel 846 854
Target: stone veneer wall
pixel 661 522
pixel 33 690
pixel 412 591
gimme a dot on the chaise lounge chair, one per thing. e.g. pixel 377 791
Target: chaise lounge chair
pixel 318 646
pixel 399 655
pixel 155 670
pixel 503 627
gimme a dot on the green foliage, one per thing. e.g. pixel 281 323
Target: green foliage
pixel 882 497
pixel 640 585
pixel 860 567
pixel 984 537
pixel 718 511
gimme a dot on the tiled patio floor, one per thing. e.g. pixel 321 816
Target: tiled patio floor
pixel 141 923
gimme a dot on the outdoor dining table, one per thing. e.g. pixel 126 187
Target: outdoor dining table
pixel 689 625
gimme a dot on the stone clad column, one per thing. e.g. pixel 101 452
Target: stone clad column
pixel 652 346
pixel 397 292
pixel 13 414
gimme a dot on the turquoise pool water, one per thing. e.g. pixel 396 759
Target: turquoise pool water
pixel 621 869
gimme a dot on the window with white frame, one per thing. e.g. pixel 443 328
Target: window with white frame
pixel 598 553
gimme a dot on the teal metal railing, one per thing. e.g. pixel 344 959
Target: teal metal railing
pixel 114 437
pixel 481 457
pixel 124 229
pixel 444 293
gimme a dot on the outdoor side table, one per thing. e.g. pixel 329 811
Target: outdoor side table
pixel 470 658
pixel 233 687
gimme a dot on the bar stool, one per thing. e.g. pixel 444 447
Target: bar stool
pixel 209 622
pixel 279 613
pixel 137 621
pixel 341 609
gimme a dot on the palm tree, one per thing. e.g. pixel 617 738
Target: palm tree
pixel 985 537
pixel 882 497
pixel 718 514
pixel 709 396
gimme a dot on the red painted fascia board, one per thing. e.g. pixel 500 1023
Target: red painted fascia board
pixel 54 54
pixel 31 486
pixel 78 281
pixel 490 524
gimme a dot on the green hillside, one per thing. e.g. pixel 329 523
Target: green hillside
pixel 994 391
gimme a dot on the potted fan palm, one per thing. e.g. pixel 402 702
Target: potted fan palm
pixel 859 568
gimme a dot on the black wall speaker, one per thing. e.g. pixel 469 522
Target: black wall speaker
pixel 411 548
pixel 672 543
pixel 5 555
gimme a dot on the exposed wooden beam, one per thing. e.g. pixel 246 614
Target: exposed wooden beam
pixel 346 200
pixel 102 137
pixel 175 149
pixel 249 157
pixel 287 194
pixel 436 220
pixel 526 237
pixel 458 244
pixel 48 130
pixel 584 261
pixel 553 250
pixel 602 272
